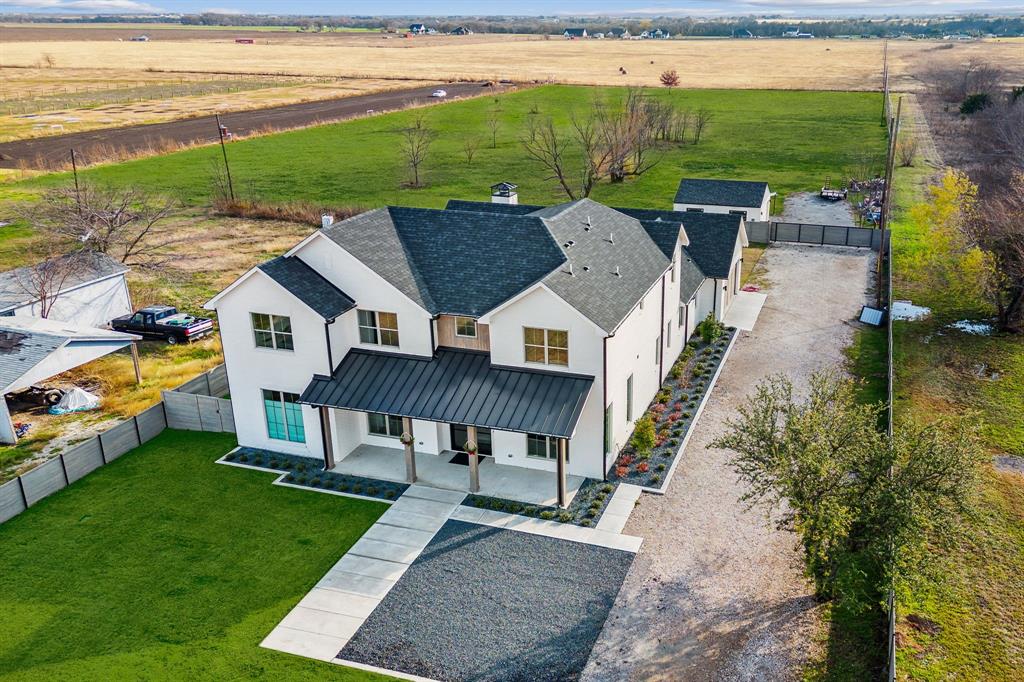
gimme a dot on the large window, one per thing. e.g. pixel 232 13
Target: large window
pixel 465 327
pixel 543 447
pixel 284 416
pixel 385 425
pixel 547 346
pixel 380 329
pixel 272 331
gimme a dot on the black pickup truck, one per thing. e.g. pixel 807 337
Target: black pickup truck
pixel 164 322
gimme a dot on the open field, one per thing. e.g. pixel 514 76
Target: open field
pixel 725 63
pixel 143 108
pixel 164 565
pixel 794 141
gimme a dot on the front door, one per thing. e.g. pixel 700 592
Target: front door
pixel 460 435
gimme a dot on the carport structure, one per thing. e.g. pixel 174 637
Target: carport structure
pixel 453 387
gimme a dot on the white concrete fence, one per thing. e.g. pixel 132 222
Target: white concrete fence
pixel 192 406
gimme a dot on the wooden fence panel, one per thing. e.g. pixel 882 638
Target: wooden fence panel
pixel 151 423
pixel 227 415
pixel 182 410
pixel 45 479
pixel 209 413
pixel 119 440
pixel 83 459
pixel 218 381
pixel 11 502
pixel 196 386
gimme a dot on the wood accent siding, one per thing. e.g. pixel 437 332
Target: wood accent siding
pixel 446 335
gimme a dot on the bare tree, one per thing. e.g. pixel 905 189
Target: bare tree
pixel 669 79
pixel 469 146
pixel 123 223
pixel 544 144
pixel 493 123
pixel 998 230
pixel 906 149
pixel 954 82
pixel 701 119
pixel 44 280
pixel 416 141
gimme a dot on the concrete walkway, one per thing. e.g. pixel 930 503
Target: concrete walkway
pixel 744 310
pixel 553 529
pixel 622 504
pixel 326 618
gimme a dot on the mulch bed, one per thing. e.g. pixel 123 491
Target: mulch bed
pixel 673 412
pixel 585 509
pixel 488 604
pixel 308 472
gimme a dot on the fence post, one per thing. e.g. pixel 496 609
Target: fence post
pixel 21 487
pixel 846 242
pixel 823 235
pixel 800 233
pixel 209 388
pixel 103 453
pixel 64 468
pixel 138 433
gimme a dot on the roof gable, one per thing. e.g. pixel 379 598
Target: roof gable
pixel 16 288
pixel 309 286
pixel 712 236
pixel 721 192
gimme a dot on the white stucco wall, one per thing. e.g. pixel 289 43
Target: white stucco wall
pixel 251 369
pixel 93 305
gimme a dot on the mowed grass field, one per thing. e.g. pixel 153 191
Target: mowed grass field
pixel 166 566
pixel 720 63
pixel 793 140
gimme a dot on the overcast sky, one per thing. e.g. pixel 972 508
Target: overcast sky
pixel 523 7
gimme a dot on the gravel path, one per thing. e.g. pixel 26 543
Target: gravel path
pixel 716 592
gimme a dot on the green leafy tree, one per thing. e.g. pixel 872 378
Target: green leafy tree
pixel 710 329
pixel 643 435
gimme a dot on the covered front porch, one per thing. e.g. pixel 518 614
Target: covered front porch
pixel 459 388
pixel 530 486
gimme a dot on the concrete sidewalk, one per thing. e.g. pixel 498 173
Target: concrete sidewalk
pixel 322 623
pixel 744 310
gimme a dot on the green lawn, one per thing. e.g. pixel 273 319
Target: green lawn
pixel 791 139
pixel 164 565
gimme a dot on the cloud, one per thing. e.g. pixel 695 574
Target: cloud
pixel 85 5
pixel 222 10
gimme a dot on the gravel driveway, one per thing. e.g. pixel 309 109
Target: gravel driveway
pixel 805 207
pixel 716 592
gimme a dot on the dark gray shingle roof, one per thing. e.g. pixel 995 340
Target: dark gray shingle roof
pixel 690 277
pixel 603 241
pixel 309 286
pixel 15 285
pixel 712 236
pixel 488 207
pixel 454 262
pixel 455 387
pixel 720 192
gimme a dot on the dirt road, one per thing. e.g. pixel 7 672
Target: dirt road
pixel 717 593
pixel 50 152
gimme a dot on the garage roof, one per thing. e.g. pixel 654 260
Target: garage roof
pixel 454 387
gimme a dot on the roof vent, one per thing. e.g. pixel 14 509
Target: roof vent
pixel 617 273
pixel 589 224
pixel 569 243
pixel 611 237
pixel 570 269
pixel 586 268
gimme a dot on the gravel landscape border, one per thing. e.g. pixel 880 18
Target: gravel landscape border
pixel 489 604
pixel 293 474
pixel 585 509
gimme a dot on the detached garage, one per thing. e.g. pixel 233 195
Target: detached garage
pixel 751 200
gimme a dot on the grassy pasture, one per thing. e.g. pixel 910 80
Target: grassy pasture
pixel 791 139
pixel 164 565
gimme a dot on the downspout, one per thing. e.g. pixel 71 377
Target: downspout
pixel 714 299
pixel 330 356
pixel 604 410
pixel 661 334
pixel 433 345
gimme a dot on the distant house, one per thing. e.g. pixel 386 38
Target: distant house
pixel 139 39
pixel 794 32
pixel 617 33
pixel 418 29
pixel 574 33
pixel 91 293
pixel 660 34
pixel 461 31
pixel 742 33
pixel 749 200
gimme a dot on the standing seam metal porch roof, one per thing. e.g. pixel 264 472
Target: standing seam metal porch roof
pixel 454 387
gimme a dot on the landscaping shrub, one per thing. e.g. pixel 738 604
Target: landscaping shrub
pixel 655 478
pixel 607 488
pixel 643 434
pixel 547 515
pixel 230 457
pixel 710 329
pixel 585 522
pixel 592 513
pixel 274 464
pixel 343 487
pixel 643 467
pixel 243 457
pixel 596 504
pixel 357 489
pixel 565 517
pixel 371 490
pixel 315 483
pixel 972 104
pixel 661 467
pixel 289 478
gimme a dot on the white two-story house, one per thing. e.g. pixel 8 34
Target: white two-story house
pixel 537 334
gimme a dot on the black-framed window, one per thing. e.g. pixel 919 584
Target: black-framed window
pixel 272 331
pixel 543 447
pixel 380 329
pixel 385 425
pixel 465 327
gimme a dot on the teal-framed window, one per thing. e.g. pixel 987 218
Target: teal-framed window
pixel 385 425
pixel 284 416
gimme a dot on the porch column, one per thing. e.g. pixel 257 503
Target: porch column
pixel 474 461
pixel 326 437
pixel 563 447
pixel 410 450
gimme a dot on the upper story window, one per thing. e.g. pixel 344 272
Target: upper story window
pixel 378 328
pixel 272 331
pixel 547 346
pixel 465 327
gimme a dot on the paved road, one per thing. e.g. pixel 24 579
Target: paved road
pixel 717 593
pixel 48 152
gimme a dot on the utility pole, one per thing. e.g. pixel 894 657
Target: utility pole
pixel 224 150
pixel 883 216
pixel 74 171
pixel 885 82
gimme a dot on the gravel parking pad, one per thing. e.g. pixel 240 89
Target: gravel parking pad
pixel 483 603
